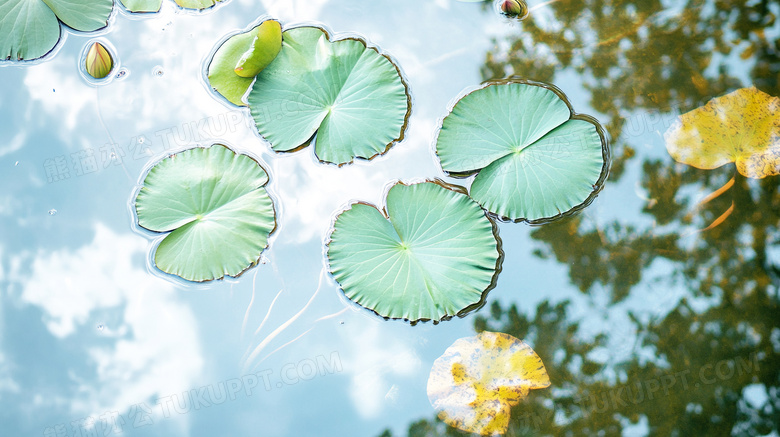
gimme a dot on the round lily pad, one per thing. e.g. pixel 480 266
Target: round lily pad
pixel 216 208
pixel 477 380
pixel 348 94
pixel 741 127
pixel 29 29
pixel 431 254
pixel 535 160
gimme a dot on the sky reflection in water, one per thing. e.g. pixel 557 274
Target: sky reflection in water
pixel 622 262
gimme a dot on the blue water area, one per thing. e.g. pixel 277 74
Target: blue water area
pixel 654 313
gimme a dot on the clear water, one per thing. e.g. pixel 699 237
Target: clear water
pixel 94 341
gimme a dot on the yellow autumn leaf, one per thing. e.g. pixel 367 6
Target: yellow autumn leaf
pixel 741 127
pixel 477 380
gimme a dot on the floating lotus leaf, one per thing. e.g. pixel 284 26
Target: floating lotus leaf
pixel 349 95
pixel 142 5
pixel 197 4
pixel 29 29
pixel 430 255
pixel 535 161
pixel 741 127
pixel 214 204
pixel 478 379
pixel 222 76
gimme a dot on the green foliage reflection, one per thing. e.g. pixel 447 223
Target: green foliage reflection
pixel 689 370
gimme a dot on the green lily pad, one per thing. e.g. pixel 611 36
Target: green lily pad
pixel 432 254
pixel 536 161
pixel 216 208
pixel 29 29
pixel 351 96
pixel 142 5
pixel 221 69
pixel 197 4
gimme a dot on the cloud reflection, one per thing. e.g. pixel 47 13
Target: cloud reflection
pixel 376 361
pixel 152 348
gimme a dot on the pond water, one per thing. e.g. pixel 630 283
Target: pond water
pixel 647 323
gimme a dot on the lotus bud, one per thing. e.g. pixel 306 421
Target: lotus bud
pixel 514 8
pixel 99 62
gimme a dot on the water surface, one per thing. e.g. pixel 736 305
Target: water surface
pixel 646 326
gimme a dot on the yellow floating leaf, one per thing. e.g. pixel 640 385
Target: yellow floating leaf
pixel 478 379
pixel 262 51
pixel 741 127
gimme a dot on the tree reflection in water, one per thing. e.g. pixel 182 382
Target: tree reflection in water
pixel 690 369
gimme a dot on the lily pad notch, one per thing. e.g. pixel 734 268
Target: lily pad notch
pixel 213 206
pixel 343 96
pixel 430 253
pixel 534 158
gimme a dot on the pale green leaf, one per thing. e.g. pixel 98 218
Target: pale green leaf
pixel 546 179
pixel 434 256
pixel 83 15
pixel 214 202
pixel 349 95
pixel 28 29
pixel 534 161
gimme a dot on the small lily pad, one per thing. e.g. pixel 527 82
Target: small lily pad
pixel 348 94
pixel 216 208
pixel 535 161
pixel 262 51
pixel 29 29
pixel 221 70
pixel 142 5
pixel 741 127
pixel 477 380
pixel 431 254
